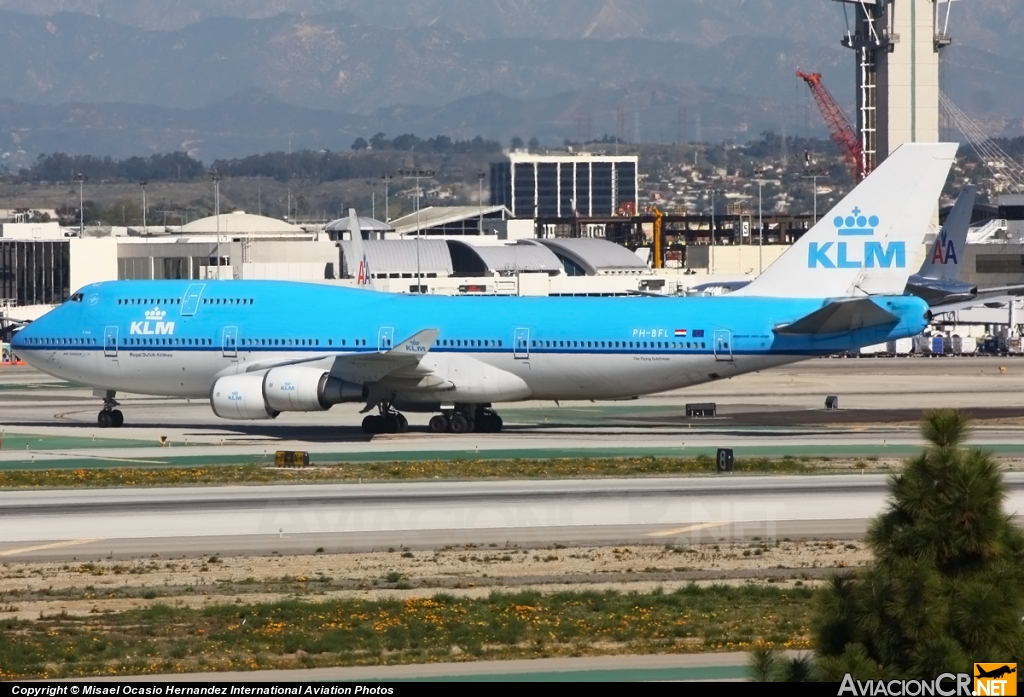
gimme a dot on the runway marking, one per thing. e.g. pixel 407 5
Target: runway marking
pixel 67 455
pixel 688 528
pixel 52 545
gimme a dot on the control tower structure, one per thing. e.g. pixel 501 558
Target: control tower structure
pixel 897 44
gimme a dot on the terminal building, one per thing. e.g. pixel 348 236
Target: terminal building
pixel 565 185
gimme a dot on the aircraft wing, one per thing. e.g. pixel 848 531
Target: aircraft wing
pixel 403 358
pixel 362 368
pixel 838 317
pixel 725 286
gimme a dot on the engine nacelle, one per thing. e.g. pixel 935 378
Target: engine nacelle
pixel 240 397
pixel 297 388
pixel 289 388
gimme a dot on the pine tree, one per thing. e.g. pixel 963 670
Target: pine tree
pixel 947 585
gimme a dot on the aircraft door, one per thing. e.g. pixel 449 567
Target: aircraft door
pixel 229 345
pixel 385 339
pixel 190 304
pixel 521 344
pixel 723 345
pixel 110 342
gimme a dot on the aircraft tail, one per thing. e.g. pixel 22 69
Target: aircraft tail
pixel 943 259
pixel 359 265
pixel 865 245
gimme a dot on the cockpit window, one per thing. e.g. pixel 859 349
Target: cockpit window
pixel 76 298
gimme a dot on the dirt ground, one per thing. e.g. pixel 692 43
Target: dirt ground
pixel 31 590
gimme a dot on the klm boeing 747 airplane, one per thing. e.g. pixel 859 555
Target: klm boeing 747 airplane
pixel 257 349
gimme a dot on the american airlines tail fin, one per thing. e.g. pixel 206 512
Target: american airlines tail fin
pixel 943 259
pixel 865 245
pixel 359 260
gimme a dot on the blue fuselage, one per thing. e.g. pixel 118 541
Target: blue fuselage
pixel 177 337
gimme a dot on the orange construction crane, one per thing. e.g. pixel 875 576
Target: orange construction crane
pixel 843 134
pixel 658 252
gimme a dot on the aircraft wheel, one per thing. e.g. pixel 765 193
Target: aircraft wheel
pixel 105 420
pixel 391 424
pixel 496 423
pixel 438 424
pixel 118 418
pixel 459 424
pixel 403 423
pixel 373 424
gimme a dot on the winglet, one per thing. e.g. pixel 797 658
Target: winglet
pixel 416 345
pixel 867 242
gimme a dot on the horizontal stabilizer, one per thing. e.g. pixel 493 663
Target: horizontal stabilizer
pixel 840 317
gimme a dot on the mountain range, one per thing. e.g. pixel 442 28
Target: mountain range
pixel 223 78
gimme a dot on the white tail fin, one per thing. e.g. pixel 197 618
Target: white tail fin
pixel 865 245
pixel 943 258
pixel 359 265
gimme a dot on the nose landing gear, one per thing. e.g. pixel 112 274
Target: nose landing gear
pixel 110 417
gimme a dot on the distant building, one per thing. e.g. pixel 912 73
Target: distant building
pixel 566 185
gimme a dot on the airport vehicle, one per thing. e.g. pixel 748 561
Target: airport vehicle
pixel 257 349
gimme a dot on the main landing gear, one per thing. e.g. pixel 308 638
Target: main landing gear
pixel 388 421
pixel 467 419
pixel 464 418
pixel 110 417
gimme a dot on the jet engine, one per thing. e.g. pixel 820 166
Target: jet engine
pixel 289 388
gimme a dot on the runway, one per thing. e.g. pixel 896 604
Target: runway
pixel 54 525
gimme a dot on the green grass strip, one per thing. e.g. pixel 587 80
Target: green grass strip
pixel 393 471
pixel 353 632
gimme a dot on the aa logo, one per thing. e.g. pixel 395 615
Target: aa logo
pixel 995 678
pixel 944 252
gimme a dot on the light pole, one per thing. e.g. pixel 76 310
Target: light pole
pixel 712 192
pixel 417 174
pixel 813 175
pixel 145 228
pixel 759 173
pixel 80 178
pixel 480 198
pixel 215 176
pixel 386 178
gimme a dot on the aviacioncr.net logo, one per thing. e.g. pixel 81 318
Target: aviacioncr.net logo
pixel 946 685
pixel 856 253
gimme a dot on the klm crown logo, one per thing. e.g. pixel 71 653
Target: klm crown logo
pixel 856 224
pixel 854 254
pixel 155 315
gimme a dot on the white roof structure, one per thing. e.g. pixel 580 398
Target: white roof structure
pixel 371 224
pixel 596 257
pixel 504 260
pixel 240 223
pixel 441 216
pixel 388 257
